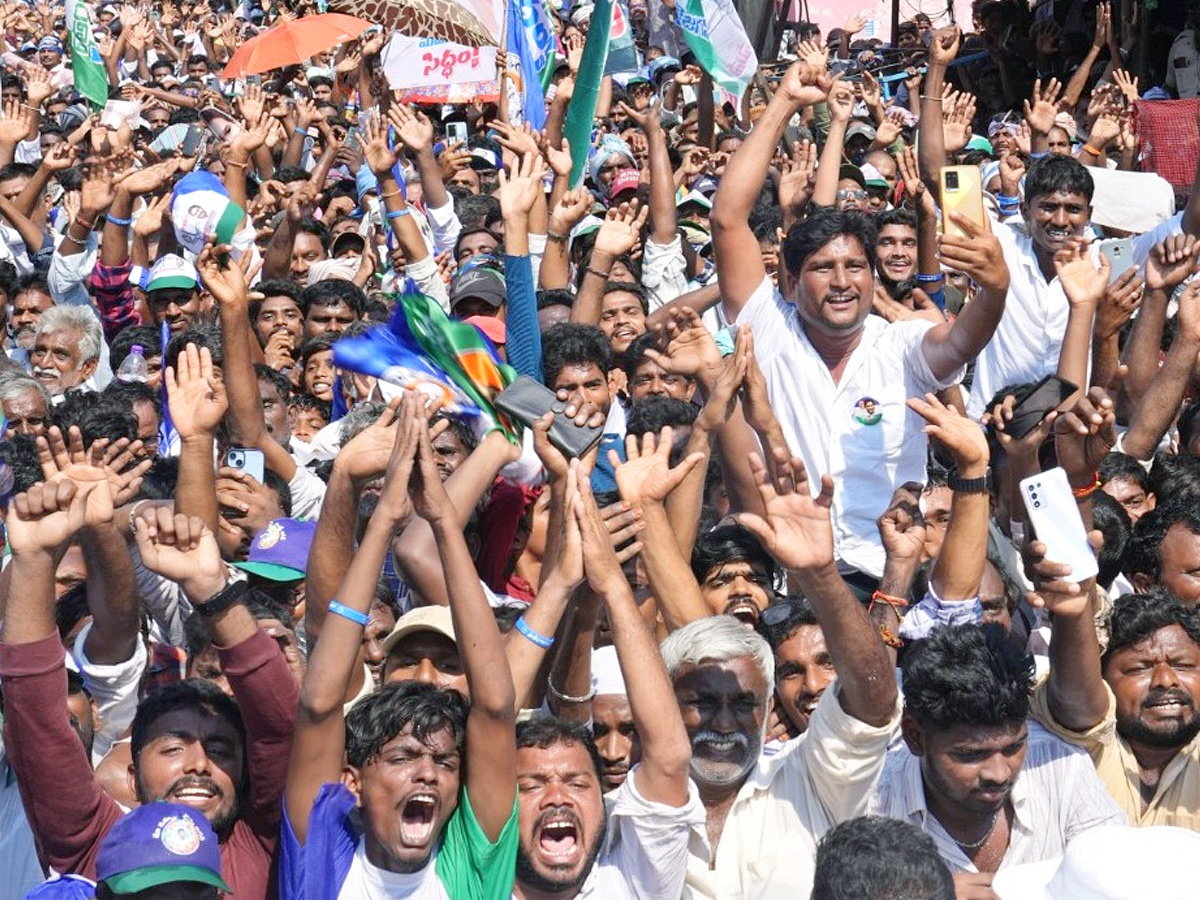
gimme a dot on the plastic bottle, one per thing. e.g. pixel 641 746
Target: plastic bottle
pixel 133 367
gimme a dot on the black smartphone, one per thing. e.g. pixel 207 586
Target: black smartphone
pixel 1048 394
pixel 527 400
pixel 191 140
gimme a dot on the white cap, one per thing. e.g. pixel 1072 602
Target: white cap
pixel 171 271
pixel 606 672
pixel 1112 862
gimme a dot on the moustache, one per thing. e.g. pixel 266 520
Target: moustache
pixel 560 814
pixel 195 781
pixel 1159 695
pixel 708 736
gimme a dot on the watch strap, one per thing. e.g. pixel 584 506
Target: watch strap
pixel 233 593
pixel 970 485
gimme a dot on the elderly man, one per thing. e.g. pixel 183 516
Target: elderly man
pixel 66 349
pixel 764 818
pixel 26 405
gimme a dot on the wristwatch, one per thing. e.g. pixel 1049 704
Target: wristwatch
pixel 970 485
pixel 233 593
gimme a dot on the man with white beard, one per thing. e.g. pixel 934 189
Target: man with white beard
pixel 765 817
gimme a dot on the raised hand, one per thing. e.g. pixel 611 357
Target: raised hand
pixel 149 223
pixel 414 129
pixel 685 346
pixel 797 530
pixel 622 229
pixel 1084 435
pixel 647 475
pixel 1189 310
pixel 395 505
pixel 799 176
pixel 841 100
pixel 601 561
pixel 38 88
pixel 519 191
pixel 47 516
pixel 100 177
pixel 196 396
pixel 1127 84
pixel 901 527
pixel 15 122
pixel 428 494
pixel 1082 282
pixel 978 254
pixel 224 279
pixel 180 548
pixel 1012 170
pixel 152 178
pixel 1041 111
pixel 944 46
pixel 957 122
pixel 1121 300
pixel 914 185
pixel 1171 262
pixel 962 437
pixel 807 82
pixel 1025 448
pixel 889 129
pixel 1051 589
pixel 115 461
pixel 558 158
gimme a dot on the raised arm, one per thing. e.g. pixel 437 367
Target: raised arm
pixel 662 775
pixel 958 571
pixel 950 346
pixel 1084 286
pixel 931 141
pixel 739 263
pixel 491 764
pixel 198 403
pixel 841 106
pixel 798 531
pixel 319 743
pixel 620 233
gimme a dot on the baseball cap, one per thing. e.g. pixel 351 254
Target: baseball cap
pixel 280 551
pixel 625 180
pixel 860 129
pixel 663 65
pixel 480 282
pixel 50 42
pixel 483 158
pixel 854 173
pixel 872 177
pixel 695 197
pixel 1104 864
pixel 348 240
pixel 171 271
pixel 159 843
pixel 492 327
pixel 979 142
pixel 423 618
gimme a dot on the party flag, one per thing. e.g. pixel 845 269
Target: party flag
pixel 714 32
pixel 581 113
pixel 91 79
pixel 622 57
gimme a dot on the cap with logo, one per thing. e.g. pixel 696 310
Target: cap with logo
pixel 171 271
pixel 481 282
pixel 49 42
pixel 860 129
pixel 157 844
pixel 280 551
pixel 624 180
pixel 852 173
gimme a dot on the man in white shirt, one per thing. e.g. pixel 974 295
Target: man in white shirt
pixel 1057 210
pixel 763 818
pixel 838 377
pixel 991 790
pixel 632 844
pixel 66 349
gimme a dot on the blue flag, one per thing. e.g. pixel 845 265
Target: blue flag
pixel 168 437
pixel 522 34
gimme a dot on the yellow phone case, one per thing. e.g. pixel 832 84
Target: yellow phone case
pixel 961 192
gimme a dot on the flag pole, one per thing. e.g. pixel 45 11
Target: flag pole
pixel 502 65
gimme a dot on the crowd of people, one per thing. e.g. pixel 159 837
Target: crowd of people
pixel 273 626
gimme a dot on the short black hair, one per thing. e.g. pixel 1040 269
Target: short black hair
pixel 655 413
pixel 1124 468
pixel 97 415
pixel 1111 520
pixel 333 292
pixel 148 336
pixel 635 353
pixel 275 287
pixel 200 334
pixel 573 344
pixel 807 237
pixel 1175 475
pixel 193 693
pixel 302 401
pixel 629 287
pixel 549 731
pixel 1143 554
pixel 799 612
pixel 730 543
pixel 897 216
pixel 1135 617
pixel 309 225
pixel 278 379
pixel 876 858
pixel 318 344
pixel 555 297
pixel 967 675
pixel 20 452
pixel 1052 174
pixel 379 717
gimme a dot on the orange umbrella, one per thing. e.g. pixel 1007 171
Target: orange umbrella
pixel 292 43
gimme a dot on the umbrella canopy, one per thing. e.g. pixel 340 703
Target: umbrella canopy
pixel 292 43
pixel 475 23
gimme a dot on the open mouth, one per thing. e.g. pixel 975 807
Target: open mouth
pixel 417 818
pixel 197 793
pixel 743 608
pixel 559 840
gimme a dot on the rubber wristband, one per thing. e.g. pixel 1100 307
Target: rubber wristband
pixel 340 609
pixel 398 213
pixel 1089 149
pixel 109 217
pixel 929 279
pixel 529 634
pixel 1084 492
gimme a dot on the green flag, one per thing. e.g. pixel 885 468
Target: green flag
pixel 91 79
pixel 581 113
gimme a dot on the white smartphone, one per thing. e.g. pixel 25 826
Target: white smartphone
pixel 1119 253
pixel 456 132
pixel 1055 518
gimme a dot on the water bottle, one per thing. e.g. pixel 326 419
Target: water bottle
pixel 133 367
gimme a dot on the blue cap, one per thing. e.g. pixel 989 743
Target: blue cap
pixel 280 551
pixel 365 180
pixel 663 62
pixel 156 844
pixel 64 887
pixel 50 42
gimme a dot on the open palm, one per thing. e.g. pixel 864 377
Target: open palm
pixel 798 528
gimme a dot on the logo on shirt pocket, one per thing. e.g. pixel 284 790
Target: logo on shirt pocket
pixel 868 411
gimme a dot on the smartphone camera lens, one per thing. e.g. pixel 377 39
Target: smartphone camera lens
pixel 952 181
pixel 236 459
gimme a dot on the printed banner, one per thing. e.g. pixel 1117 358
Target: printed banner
pixel 412 62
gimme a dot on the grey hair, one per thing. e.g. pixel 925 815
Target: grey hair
pixel 13 385
pixel 718 639
pixel 79 319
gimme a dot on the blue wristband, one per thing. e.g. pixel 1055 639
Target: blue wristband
pixel 339 609
pixel 109 217
pixel 398 213
pixel 529 634
pixel 929 279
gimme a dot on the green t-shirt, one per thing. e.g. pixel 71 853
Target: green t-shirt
pixel 470 866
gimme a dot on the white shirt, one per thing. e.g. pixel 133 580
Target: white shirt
pixel 768 846
pixel 1028 340
pixel 645 852
pixel 869 456
pixel 1057 796
pixel 366 881
pixel 1183 65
